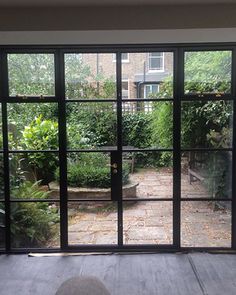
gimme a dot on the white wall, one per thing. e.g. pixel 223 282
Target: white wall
pixel 118 36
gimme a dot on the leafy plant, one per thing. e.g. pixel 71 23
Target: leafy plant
pixel 136 128
pixel 41 135
pixel 32 223
pixel 207 72
pixel 91 170
pixel 31 74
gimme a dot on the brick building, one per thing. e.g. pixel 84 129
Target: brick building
pixel 142 73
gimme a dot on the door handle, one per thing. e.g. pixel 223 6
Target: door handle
pixel 114 165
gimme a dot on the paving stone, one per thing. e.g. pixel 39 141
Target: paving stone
pixel 104 226
pixel 151 222
pixel 80 237
pixel 136 242
pixel 146 233
pixel 106 238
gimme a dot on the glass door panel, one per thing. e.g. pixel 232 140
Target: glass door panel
pixel 92 211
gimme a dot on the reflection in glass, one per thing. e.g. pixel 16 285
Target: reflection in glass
pixel 206 175
pixel 150 175
pixel 206 224
pixel 90 76
pixel 206 124
pixel 32 126
pixel 91 125
pixel 148 75
pixel 147 124
pixel 31 74
pixel 148 222
pixel 207 72
pixel 35 225
pixel 92 223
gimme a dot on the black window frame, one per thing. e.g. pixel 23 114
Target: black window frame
pixel 178 96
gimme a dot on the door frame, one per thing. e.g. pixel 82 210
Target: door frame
pixel 59 51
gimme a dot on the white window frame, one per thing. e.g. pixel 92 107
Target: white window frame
pixel 150 85
pixel 125 80
pixel 123 60
pixel 150 69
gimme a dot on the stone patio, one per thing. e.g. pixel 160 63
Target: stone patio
pixel 203 224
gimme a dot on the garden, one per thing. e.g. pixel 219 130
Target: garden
pixel 92 125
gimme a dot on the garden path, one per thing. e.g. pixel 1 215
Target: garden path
pixel 203 224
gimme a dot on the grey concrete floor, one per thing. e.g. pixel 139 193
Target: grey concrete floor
pixel 137 274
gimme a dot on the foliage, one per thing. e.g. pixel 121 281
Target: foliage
pixel 32 223
pixel 41 135
pixel 91 170
pixel 162 130
pixel 82 82
pixel 88 176
pixel 136 129
pixel 96 122
pixel 218 167
pixel 22 114
pixel 207 72
pixel 31 74
pixel 201 119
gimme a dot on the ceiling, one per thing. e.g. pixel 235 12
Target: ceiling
pixel 67 3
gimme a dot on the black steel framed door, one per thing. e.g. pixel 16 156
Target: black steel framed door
pixel 142 148
pixel 92 211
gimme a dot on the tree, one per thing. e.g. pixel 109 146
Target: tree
pixel 31 74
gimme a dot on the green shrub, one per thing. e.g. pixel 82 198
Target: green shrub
pixel 96 121
pixel 22 114
pixel 136 129
pixel 88 176
pixel 41 135
pixel 162 130
pixel 32 223
pixel 91 170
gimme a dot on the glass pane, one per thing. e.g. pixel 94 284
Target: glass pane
pixel 89 176
pixel 90 75
pixel 147 175
pixel 206 175
pixel 92 223
pixel 206 124
pixel 31 74
pixel 32 175
pixel 148 222
pixel 2 194
pixel 147 124
pixel 35 225
pixel 207 72
pixel 33 126
pixel 91 125
pixel 206 224
pixel 2 225
pixel 146 69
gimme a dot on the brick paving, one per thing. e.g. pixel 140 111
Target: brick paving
pixel 203 224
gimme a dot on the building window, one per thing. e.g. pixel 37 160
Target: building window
pixel 125 89
pixel 156 61
pixel 150 90
pixel 124 57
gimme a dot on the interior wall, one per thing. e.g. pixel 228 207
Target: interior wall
pixel 118 18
